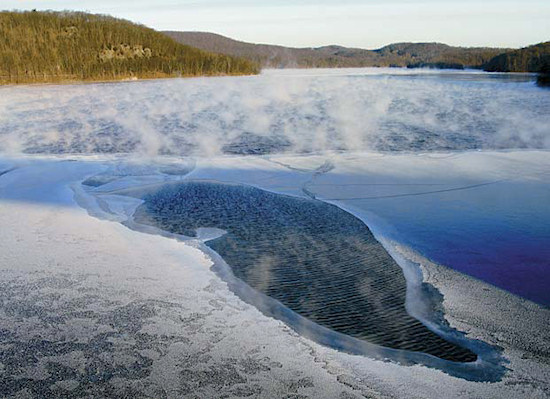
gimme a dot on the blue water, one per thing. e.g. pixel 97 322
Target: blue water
pixel 499 233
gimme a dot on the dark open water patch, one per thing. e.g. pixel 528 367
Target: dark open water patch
pixel 316 259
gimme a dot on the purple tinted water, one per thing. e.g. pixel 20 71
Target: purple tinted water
pixel 499 233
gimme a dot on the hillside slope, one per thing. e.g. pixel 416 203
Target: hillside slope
pixel 400 54
pixel 74 46
pixel 534 58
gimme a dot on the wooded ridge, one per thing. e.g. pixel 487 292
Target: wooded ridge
pixel 38 47
pixel 435 55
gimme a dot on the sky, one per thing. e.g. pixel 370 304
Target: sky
pixel 354 23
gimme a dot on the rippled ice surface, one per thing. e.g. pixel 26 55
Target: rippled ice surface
pixel 280 111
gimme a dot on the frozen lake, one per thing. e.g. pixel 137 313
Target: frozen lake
pixel 415 169
pixel 497 232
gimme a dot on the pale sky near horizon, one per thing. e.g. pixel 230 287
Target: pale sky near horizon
pixel 352 23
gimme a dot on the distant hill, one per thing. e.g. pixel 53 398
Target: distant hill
pixel 435 55
pixel 75 46
pixel 534 58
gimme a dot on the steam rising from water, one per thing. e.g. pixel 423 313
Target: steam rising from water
pixel 382 110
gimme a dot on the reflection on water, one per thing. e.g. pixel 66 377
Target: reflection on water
pixel 316 259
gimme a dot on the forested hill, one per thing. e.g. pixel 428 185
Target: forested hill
pixel 401 54
pixel 534 58
pixel 73 46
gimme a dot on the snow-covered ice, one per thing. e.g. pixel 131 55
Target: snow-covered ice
pixel 92 307
pixel 449 170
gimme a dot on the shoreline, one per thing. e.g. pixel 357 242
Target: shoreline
pixel 130 79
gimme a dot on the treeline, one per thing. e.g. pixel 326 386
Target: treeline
pixel 534 58
pixel 437 55
pixel 412 55
pixel 74 46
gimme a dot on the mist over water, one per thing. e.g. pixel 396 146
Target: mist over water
pixel 280 112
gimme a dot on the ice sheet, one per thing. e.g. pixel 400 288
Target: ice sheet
pixel 118 301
